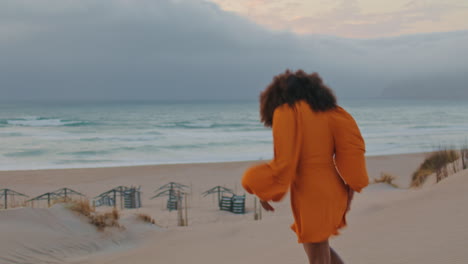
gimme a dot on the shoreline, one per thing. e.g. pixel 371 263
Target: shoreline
pixel 194 163
pixel 202 175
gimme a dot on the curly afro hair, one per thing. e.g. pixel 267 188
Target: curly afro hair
pixel 290 87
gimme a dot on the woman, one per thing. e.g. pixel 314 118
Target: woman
pixel 318 155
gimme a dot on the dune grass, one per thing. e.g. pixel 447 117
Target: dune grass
pixel 386 178
pixel 82 207
pixel 107 219
pixel 98 219
pixel 146 218
pixel 437 163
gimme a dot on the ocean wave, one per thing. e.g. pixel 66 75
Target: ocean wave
pixel 428 126
pixel 154 133
pixel 26 153
pixel 144 148
pixel 210 145
pixel 11 134
pixel 87 152
pixel 42 122
pixel 81 161
pixel 205 125
pixel 130 138
pixel 92 139
pixel 77 123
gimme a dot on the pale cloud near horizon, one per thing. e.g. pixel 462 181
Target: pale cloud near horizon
pixel 354 18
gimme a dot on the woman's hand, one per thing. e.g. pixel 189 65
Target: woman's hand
pixel 267 206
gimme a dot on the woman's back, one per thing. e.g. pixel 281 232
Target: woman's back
pixel 331 141
pixel 317 146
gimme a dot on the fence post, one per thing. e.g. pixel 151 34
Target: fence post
pixel 260 212
pixel 255 208
pixel 115 199
pixel 186 214
pixel 179 210
pixel 121 199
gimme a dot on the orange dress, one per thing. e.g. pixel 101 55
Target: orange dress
pixel 315 155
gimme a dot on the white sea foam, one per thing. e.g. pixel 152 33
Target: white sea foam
pixel 41 122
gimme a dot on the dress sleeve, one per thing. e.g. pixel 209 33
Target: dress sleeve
pixel 349 151
pixel 271 181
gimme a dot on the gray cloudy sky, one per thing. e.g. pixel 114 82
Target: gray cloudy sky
pixel 190 49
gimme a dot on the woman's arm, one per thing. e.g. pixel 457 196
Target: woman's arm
pixel 271 181
pixel 349 150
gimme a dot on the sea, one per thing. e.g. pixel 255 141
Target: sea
pixel 44 135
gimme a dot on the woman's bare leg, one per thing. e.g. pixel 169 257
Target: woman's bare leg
pixel 321 253
pixel 318 253
pixel 335 258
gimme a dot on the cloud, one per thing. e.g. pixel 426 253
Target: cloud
pixel 181 50
pixel 347 18
pixel 173 48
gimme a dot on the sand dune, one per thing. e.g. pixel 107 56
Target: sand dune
pixel 55 235
pixel 386 224
pixel 425 226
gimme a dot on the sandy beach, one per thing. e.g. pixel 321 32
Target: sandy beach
pixel 386 224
